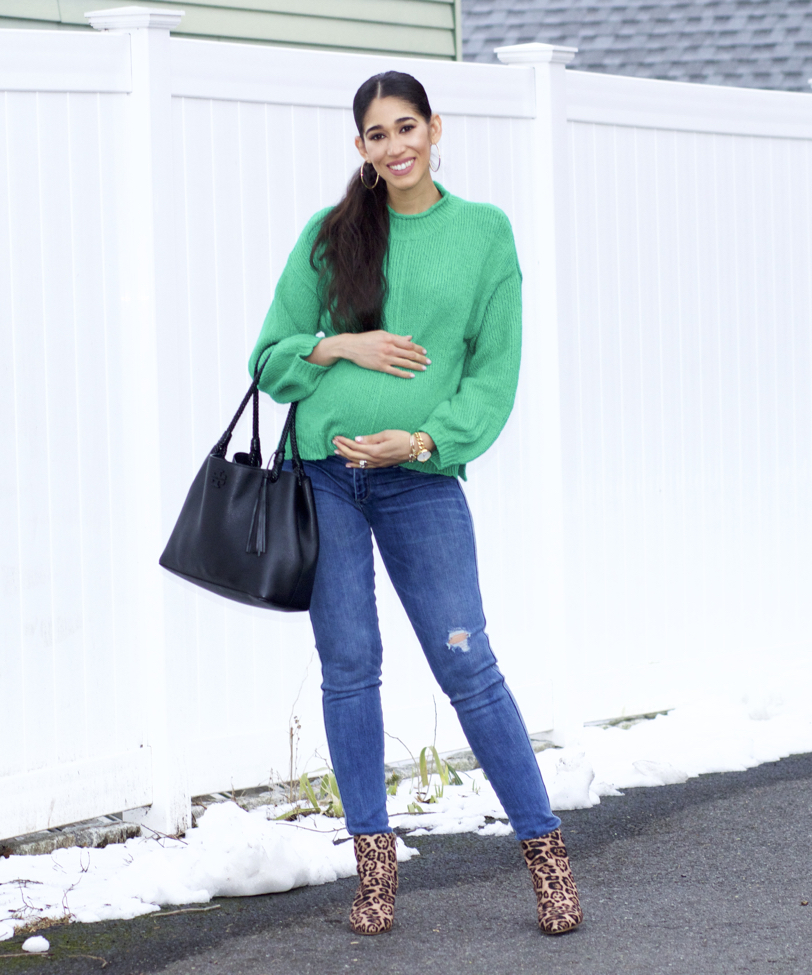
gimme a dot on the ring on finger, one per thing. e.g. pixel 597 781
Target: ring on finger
pixel 362 463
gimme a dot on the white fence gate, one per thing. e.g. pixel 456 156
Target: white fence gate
pixel 641 515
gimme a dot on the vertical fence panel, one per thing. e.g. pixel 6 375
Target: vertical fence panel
pixel 623 241
pixel 92 456
pixel 25 223
pixel 794 271
pixel 62 437
pixel 12 715
pixel 109 588
pixel 727 558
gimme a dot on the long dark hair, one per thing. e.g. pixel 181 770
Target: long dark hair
pixel 351 244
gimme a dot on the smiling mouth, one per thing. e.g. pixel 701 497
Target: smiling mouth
pixel 400 168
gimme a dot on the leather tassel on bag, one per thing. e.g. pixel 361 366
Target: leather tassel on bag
pixel 257 542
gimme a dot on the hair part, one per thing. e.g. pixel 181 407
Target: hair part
pixel 351 245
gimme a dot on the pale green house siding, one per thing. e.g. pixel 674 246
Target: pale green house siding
pixel 423 28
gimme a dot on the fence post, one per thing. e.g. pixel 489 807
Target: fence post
pixel 146 424
pixel 548 295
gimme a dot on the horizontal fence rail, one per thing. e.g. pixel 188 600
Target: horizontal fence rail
pixel 36 60
pixel 678 106
pixel 236 72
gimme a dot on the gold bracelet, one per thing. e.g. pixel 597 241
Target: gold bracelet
pixel 423 453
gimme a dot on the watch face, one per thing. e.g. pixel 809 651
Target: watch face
pixel 423 456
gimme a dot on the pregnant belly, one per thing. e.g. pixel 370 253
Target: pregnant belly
pixel 354 402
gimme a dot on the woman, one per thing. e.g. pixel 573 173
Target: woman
pixel 396 324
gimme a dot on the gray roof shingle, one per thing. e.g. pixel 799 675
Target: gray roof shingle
pixel 748 43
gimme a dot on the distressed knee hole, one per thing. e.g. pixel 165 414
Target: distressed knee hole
pixel 458 640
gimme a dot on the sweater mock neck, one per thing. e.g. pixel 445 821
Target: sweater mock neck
pixel 407 226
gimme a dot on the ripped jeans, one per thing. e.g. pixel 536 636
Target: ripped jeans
pixel 424 533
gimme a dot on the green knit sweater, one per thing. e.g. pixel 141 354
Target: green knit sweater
pixel 455 286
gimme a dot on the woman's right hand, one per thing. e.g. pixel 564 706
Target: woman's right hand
pixel 380 351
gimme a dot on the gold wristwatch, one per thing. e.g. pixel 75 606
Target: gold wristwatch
pixel 419 451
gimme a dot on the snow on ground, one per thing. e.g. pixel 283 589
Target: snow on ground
pixel 236 853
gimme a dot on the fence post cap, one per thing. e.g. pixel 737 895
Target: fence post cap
pixel 120 18
pixel 535 53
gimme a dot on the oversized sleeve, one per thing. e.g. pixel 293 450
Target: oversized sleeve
pixel 288 335
pixel 465 425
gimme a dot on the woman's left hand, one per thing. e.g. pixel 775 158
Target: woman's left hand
pixel 385 449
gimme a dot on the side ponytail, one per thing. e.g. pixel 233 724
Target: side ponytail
pixel 351 245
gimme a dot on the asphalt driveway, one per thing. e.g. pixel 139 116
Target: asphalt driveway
pixel 713 876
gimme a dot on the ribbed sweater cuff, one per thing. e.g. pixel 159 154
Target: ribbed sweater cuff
pixel 287 376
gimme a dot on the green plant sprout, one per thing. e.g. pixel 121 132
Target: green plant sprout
pixel 447 774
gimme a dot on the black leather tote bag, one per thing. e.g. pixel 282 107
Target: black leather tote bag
pixel 246 532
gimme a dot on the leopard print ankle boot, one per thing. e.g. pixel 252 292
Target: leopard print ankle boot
pixel 373 909
pixel 556 893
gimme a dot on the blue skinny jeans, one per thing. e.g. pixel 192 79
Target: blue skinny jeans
pixel 425 536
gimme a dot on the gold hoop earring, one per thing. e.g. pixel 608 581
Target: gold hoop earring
pixel 363 181
pixel 435 145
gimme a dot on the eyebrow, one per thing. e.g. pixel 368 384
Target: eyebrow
pixel 406 118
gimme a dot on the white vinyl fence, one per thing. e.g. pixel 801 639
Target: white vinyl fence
pixel 642 523
pixel 686 394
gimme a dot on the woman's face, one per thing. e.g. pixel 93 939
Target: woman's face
pixel 397 141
